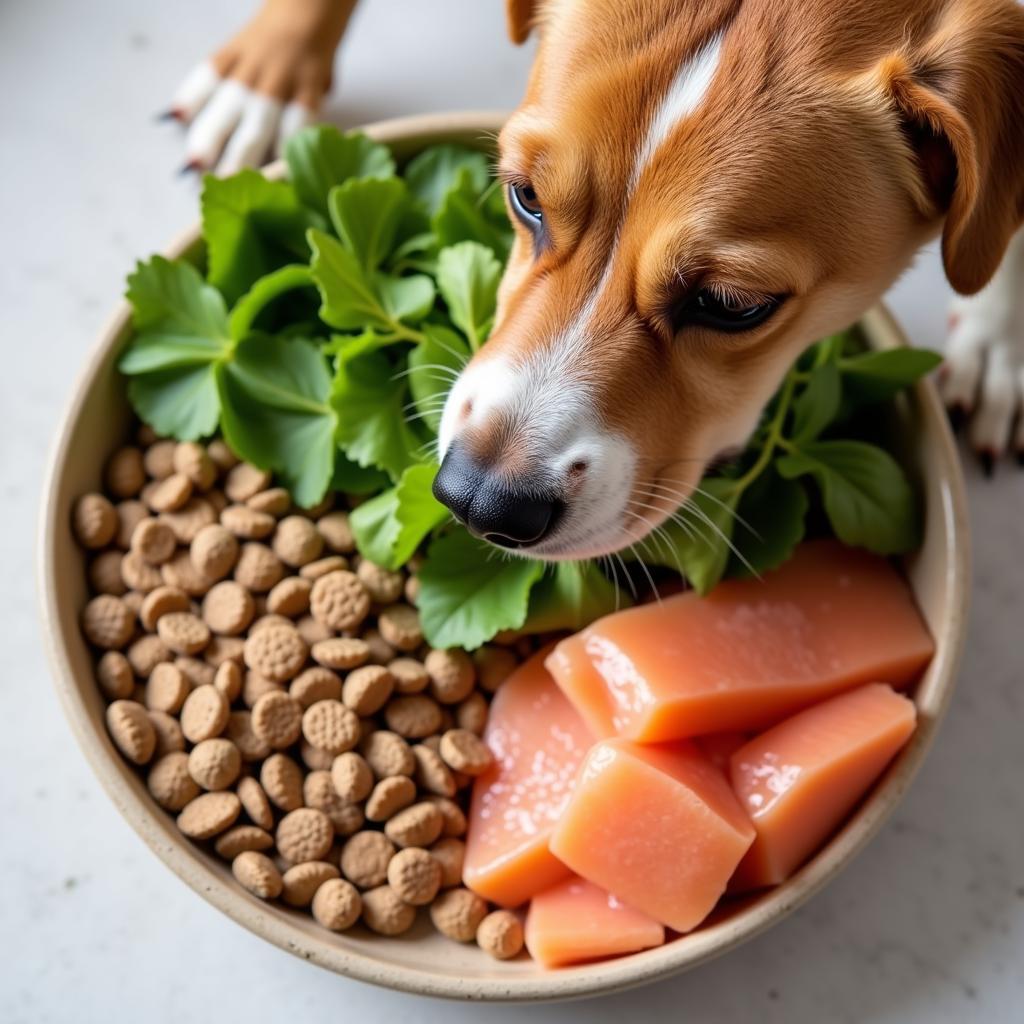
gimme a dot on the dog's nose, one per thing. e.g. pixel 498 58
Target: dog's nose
pixel 488 506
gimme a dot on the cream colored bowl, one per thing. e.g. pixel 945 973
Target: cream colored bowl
pixel 424 962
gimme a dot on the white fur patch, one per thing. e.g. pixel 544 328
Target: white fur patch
pixel 196 88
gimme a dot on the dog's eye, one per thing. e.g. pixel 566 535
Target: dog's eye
pixel 708 308
pixel 525 204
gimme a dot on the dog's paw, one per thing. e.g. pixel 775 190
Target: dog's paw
pixel 982 379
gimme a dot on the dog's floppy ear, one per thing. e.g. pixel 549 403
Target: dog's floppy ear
pixel 960 93
pixel 519 15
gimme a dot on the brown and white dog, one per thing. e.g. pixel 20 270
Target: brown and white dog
pixel 702 189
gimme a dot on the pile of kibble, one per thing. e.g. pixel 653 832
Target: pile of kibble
pixel 276 691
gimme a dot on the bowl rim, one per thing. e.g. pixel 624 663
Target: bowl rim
pixel 189 863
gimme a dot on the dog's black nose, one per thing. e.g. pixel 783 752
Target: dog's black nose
pixel 488 506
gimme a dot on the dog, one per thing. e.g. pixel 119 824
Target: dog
pixel 700 190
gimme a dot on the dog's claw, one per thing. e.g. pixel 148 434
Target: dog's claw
pixel 957 416
pixel 191 167
pixel 172 114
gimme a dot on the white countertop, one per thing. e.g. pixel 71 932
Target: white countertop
pixel 927 926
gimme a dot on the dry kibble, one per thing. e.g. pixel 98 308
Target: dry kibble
pixel 125 474
pixel 158 459
pixel 168 494
pixel 277 652
pixel 412 589
pixel 146 653
pixel 153 541
pixel 204 714
pixel 322 566
pixel 312 631
pixel 414 875
pixel 452 675
pixel 385 913
pixel 318 791
pixel 170 783
pixel 221 455
pixel 302 881
pixel 192 518
pixel 400 626
pixel 418 825
pixel 458 913
pixel 244 480
pixel 257 873
pixel 390 796
pixel 465 752
pixel 245 522
pixel 277 719
pixel 131 730
pixel 228 679
pixel 228 608
pixel 209 815
pixel 265 619
pixel 169 737
pixel 340 652
pixel 166 688
pixel 183 632
pixel 138 574
pixel 214 551
pixel 255 803
pixel 239 731
pixel 107 622
pixel 450 854
pixel 105 574
pixel 384 586
pixel 290 597
pixel 493 666
pixel 315 684
pixel 339 600
pixel 258 568
pixel 114 676
pixel 315 759
pixel 432 774
pixel 241 838
pixel 336 904
pixel 191 460
pixel 367 689
pixel 297 542
pixel 161 601
pixel 304 834
pixel 413 716
pixel 381 652
pixel 281 779
pixel 337 533
pixel 351 776
pixel 409 674
pixel 94 521
pixel 133 601
pixel 471 714
pixel 129 514
pixel 255 686
pixel 215 764
pixel 224 648
pixel 387 754
pixel 180 572
pixel 453 815
pixel 365 858
pixel 500 934
pixel 275 501
pixel 330 726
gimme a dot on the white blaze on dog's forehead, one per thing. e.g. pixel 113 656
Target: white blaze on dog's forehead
pixel 684 96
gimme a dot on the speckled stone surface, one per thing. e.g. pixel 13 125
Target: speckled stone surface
pixel 926 927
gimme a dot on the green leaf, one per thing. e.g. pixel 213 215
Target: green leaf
pixel 432 174
pixel 375 526
pixel 465 216
pixel 867 497
pixel 276 412
pixel 816 406
pixel 252 226
pixel 406 299
pixel 774 510
pixel 263 292
pixel 321 157
pixel 180 402
pixel 429 376
pixel 349 346
pixel 366 214
pixel 351 478
pixel 368 396
pixel 469 591
pixel 872 377
pixel 468 275
pixel 571 595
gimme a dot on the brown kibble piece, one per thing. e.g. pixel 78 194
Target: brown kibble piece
pixel 125 474
pixel 228 608
pixel 281 779
pixel 465 752
pixel 275 501
pixel 367 689
pixel 258 568
pixel 105 574
pixel 315 759
pixel 500 934
pixel 257 873
pixel 133 601
pixel 146 653
pixel 318 791
pixel 432 774
pixel 409 674
pixel 114 676
pixel 458 913
pixel 384 586
pixel 418 825
pixel 221 455
pixel 413 716
pixel 304 834
pixel 180 572
pixel 365 858
pixel 414 875
pixel 452 675
pixel 191 460
pixel 400 626
pixel 330 726
pixel 255 803
pixel 302 881
pixel 493 666
pixel 94 521
pixel 131 730
pixel 209 814
pixel 153 541
pixel 214 551
pixel 215 764
pixel 158 459
pixel 290 597
pixel 195 515
pixel 140 575
pixel 255 686
pixel 387 754
pixel 224 648
pixel 161 601
pixel 169 737
pixel 471 714
pixel 336 904
pixel 339 600
pixel 166 688
pixel 385 913
pixel 265 619
pixel 204 714
pixel 340 652
pixel 169 782
pixel 277 652
pixel 351 776
pixel 183 632
pixel 245 522
pixel 107 622
pixel 168 494
pixel 453 815
pixel 239 731
pixel 312 631
pixel 296 541
pixel 315 684
pixel 277 719
pixel 337 533
pixel 241 838
pixel 228 679
pixel 322 566
pixel 390 796
pixel 450 854
pixel 244 480
pixel 129 514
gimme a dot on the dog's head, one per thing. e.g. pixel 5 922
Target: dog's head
pixel 700 190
